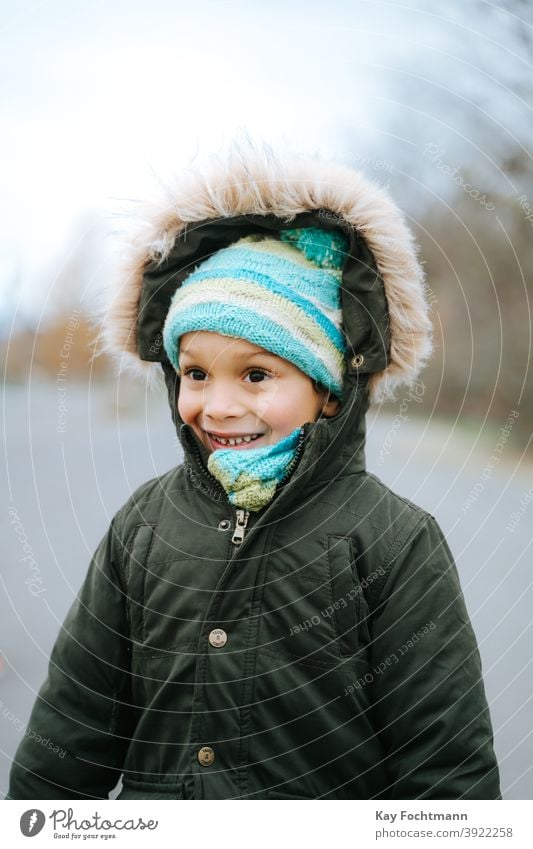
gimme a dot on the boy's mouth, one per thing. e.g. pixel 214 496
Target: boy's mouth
pixel 236 442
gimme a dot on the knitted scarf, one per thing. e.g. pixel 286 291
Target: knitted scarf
pixel 250 477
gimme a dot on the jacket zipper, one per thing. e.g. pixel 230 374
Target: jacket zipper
pixel 216 484
pixel 242 516
pixel 241 522
pixel 295 459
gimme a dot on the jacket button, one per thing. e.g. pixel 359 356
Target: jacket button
pixel 218 638
pixel 224 525
pixel 206 756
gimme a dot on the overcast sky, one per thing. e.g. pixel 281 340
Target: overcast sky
pixel 98 96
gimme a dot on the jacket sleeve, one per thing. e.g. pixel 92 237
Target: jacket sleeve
pixel 428 696
pixel 81 722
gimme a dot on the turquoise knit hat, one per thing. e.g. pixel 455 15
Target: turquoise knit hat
pixel 280 294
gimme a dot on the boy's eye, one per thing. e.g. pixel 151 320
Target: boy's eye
pixel 194 371
pixel 258 372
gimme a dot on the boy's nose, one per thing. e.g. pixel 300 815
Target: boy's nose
pixel 220 402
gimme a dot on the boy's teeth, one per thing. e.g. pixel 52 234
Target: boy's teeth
pixel 236 440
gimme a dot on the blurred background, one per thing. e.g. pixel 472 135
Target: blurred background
pixel 100 103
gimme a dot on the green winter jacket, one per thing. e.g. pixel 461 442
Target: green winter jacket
pixel 319 648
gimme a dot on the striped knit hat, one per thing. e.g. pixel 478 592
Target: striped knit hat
pixel 280 294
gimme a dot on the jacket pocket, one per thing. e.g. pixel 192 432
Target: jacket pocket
pixel 315 612
pixel 292 625
pixel 130 792
pixel 348 608
pixel 136 554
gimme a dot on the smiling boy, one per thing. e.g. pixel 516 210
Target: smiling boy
pixel 208 657
pixel 237 395
pixel 255 335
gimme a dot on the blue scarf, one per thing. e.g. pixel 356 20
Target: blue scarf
pixel 251 477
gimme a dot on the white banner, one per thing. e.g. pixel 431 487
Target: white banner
pixel 219 824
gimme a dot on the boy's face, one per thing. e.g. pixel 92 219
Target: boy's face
pixel 232 388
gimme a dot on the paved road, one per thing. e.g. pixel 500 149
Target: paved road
pixel 65 485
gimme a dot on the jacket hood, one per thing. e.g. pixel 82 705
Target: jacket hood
pixel 251 189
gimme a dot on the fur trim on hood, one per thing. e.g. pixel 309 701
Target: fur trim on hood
pixel 252 180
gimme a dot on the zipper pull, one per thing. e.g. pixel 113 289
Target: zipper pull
pixel 240 526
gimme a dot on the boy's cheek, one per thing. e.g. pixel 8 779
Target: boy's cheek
pixel 266 402
pixel 184 407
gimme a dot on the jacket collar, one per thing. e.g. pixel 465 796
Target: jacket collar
pixel 331 447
